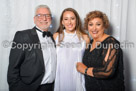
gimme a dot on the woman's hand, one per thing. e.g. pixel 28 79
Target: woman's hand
pixel 81 67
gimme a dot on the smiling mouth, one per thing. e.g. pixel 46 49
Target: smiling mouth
pixel 70 26
pixel 44 22
pixel 94 32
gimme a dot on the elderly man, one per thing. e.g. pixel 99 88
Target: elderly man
pixel 32 60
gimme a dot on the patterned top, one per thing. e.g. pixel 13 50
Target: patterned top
pixel 108 75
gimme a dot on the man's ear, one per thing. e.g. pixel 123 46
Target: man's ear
pixel 34 19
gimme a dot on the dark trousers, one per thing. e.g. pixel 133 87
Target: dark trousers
pixel 46 87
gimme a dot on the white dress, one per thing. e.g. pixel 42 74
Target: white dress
pixel 69 52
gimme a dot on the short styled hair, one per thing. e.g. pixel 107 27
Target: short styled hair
pixel 42 6
pixel 96 14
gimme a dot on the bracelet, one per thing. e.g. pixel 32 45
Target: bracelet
pixel 86 71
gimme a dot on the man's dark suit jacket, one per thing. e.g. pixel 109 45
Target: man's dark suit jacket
pixel 26 66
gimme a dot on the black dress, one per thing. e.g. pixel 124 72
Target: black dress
pixel 108 75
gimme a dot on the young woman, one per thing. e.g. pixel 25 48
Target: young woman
pixel 71 42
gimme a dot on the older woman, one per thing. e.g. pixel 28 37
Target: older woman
pixel 103 60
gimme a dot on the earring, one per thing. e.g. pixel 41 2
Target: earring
pixel 63 26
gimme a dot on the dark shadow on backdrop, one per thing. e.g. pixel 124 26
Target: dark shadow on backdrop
pixel 109 31
pixel 53 26
pixel 127 71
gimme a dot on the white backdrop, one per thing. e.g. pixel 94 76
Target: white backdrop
pixel 18 15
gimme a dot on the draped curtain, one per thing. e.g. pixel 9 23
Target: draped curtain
pixel 16 15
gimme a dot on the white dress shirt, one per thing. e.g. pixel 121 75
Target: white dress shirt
pixel 49 56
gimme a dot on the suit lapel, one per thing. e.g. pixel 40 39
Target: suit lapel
pixel 35 40
pixel 34 36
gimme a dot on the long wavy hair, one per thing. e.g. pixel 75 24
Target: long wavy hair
pixel 78 27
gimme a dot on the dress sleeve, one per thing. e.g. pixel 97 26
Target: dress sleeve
pixel 109 61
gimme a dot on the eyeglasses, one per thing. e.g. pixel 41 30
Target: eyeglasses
pixel 43 15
